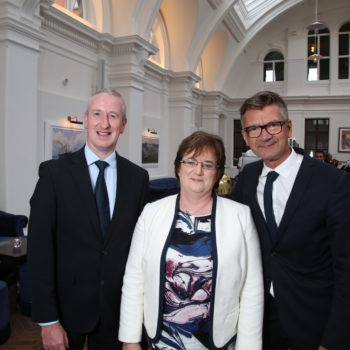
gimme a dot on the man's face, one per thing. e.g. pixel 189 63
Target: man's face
pixel 273 149
pixel 319 156
pixel 104 123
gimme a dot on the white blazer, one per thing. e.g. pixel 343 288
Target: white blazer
pixel 238 295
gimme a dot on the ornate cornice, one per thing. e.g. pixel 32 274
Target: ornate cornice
pixel 234 25
pixel 20 33
pixel 61 24
pixel 133 44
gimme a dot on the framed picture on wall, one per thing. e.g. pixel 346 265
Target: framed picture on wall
pixel 150 149
pixel 344 140
pixel 61 140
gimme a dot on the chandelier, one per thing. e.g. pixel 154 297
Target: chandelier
pixel 315 26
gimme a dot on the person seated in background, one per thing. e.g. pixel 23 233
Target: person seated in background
pixel 194 276
pixel 320 155
pixel 329 158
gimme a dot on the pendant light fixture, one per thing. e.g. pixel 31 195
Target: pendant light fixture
pixel 316 26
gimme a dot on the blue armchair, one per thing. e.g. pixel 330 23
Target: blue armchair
pixel 13 271
pixel 12 225
pixel 163 187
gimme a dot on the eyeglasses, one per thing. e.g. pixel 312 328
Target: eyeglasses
pixel 192 163
pixel 272 128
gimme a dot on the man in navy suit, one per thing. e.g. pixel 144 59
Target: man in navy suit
pixel 76 263
pixel 306 242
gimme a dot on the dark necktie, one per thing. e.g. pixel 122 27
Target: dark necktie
pixel 101 196
pixel 268 205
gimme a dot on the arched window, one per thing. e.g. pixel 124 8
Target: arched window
pixel 344 51
pixel 273 67
pixel 318 55
pixel 75 6
pixel 159 38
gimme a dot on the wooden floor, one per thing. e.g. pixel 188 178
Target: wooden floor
pixel 25 335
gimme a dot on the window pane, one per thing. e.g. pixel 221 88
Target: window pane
pixel 322 141
pixel 322 31
pixel 310 141
pixel 268 71
pixel 343 69
pixel 343 44
pixel 324 45
pixel 345 27
pixel 279 71
pixel 316 134
pixel 322 125
pixel 312 70
pixel 310 125
pixel 239 145
pixel 324 69
pixel 273 56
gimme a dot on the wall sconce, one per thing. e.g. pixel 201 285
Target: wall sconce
pixel 74 120
pixel 152 131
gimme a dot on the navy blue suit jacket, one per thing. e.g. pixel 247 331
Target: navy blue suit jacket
pixel 76 276
pixel 310 261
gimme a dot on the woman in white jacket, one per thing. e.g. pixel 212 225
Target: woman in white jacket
pixel 193 276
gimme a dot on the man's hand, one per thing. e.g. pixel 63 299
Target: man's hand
pixel 54 337
pixel 131 346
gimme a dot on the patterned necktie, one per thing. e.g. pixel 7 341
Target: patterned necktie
pixel 268 205
pixel 101 196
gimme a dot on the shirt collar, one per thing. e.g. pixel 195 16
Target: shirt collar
pixel 91 157
pixel 285 167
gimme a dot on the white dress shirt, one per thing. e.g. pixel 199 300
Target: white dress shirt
pixel 282 187
pixel 110 174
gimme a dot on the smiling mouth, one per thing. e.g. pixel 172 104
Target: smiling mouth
pixel 267 145
pixel 101 133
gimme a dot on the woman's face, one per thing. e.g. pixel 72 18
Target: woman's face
pixel 196 179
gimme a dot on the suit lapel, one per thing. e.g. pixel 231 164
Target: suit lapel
pixel 81 176
pixel 301 183
pixel 253 184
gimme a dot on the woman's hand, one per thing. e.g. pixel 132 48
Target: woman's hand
pixel 131 346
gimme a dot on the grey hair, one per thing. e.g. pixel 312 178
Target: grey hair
pixel 261 100
pixel 109 92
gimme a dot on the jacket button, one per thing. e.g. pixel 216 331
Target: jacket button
pixel 104 252
pixel 102 282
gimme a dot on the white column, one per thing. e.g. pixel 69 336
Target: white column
pixel 295 68
pixel 19 51
pixel 181 111
pixel 126 74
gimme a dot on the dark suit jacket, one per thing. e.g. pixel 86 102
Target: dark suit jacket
pixel 310 262
pixel 76 277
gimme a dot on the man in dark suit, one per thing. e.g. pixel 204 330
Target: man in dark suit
pixel 304 230
pixel 76 262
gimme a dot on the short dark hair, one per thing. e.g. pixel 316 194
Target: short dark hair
pixel 261 100
pixel 198 142
pixel 320 151
pixel 110 92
